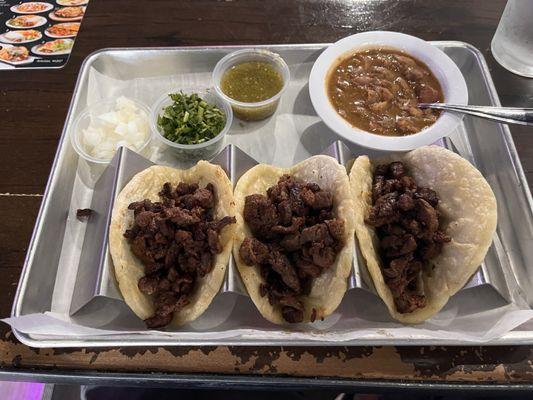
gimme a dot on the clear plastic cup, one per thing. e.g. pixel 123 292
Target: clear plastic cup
pixel 192 152
pixel 90 168
pixel 262 109
pixel 89 115
pixel 512 44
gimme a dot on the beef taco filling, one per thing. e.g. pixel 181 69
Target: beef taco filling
pixel 177 240
pixel 296 238
pixel 406 221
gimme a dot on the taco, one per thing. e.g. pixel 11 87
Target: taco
pixel 294 241
pixel 170 238
pixel 424 221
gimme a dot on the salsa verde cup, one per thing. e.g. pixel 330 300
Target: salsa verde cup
pixel 262 109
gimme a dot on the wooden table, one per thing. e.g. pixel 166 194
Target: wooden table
pixel 33 106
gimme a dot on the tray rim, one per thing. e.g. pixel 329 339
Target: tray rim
pixel 250 382
pixel 510 338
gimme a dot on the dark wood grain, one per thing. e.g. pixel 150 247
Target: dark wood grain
pixel 33 106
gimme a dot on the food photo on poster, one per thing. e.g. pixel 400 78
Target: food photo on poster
pixel 38 34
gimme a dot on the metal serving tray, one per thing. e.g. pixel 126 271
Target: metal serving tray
pixel 489 146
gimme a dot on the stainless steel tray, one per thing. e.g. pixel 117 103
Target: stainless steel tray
pixel 487 145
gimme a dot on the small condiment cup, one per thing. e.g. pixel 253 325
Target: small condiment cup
pixel 91 168
pixel 251 111
pixel 93 111
pixel 191 152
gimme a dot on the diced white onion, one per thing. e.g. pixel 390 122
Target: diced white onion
pixel 126 125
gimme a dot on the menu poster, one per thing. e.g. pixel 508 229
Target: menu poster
pixel 38 34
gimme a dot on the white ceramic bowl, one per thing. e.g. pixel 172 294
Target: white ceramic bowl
pixel 452 82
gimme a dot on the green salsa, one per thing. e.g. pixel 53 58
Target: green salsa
pixel 251 82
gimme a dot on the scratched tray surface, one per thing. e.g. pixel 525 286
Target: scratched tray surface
pixel 89 294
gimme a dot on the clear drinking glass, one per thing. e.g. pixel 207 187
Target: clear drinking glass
pixel 512 44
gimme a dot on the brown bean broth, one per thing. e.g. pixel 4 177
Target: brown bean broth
pixel 378 90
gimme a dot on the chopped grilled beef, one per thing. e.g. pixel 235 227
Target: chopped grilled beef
pixel 396 170
pixel 385 210
pixel 323 255
pixel 177 240
pixel 292 309
pixel 252 251
pixel 83 214
pixel 158 321
pixel 296 223
pixel 296 237
pixel 306 268
pixel 280 263
pixel 315 233
pixel 336 228
pixel 148 284
pixel 220 224
pixel 261 215
pixel 291 242
pixel 407 224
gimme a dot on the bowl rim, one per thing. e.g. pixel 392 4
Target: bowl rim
pixel 111 101
pixel 156 109
pixel 220 68
pixel 446 71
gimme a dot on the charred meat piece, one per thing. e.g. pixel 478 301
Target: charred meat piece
pixel 285 212
pixel 199 198
pixel 322 255
pixel 166 303
pixel 212 241
pixel 181 217
pixel 176 240
pixel 428 195
pixel 336 228
pixel 427 216
pixel 291 242
pixel 296 237
pixel 317 200
pixel 406 202
pixel 252 251
pixel 407 244
pixel 306 269
pixel 296 223
pixel 83 213
pixel 315 233
pixel 148 284
pixel 407 224
pixel 292 309
pixel 396 170
pixel 158 321
pixel 280 263
pixel 144 219
pixel 408 302
pixel 220 224
pixel 384 211
pixel 261 215
pixel 185 188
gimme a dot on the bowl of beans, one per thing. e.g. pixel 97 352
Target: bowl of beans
pixel 367 88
